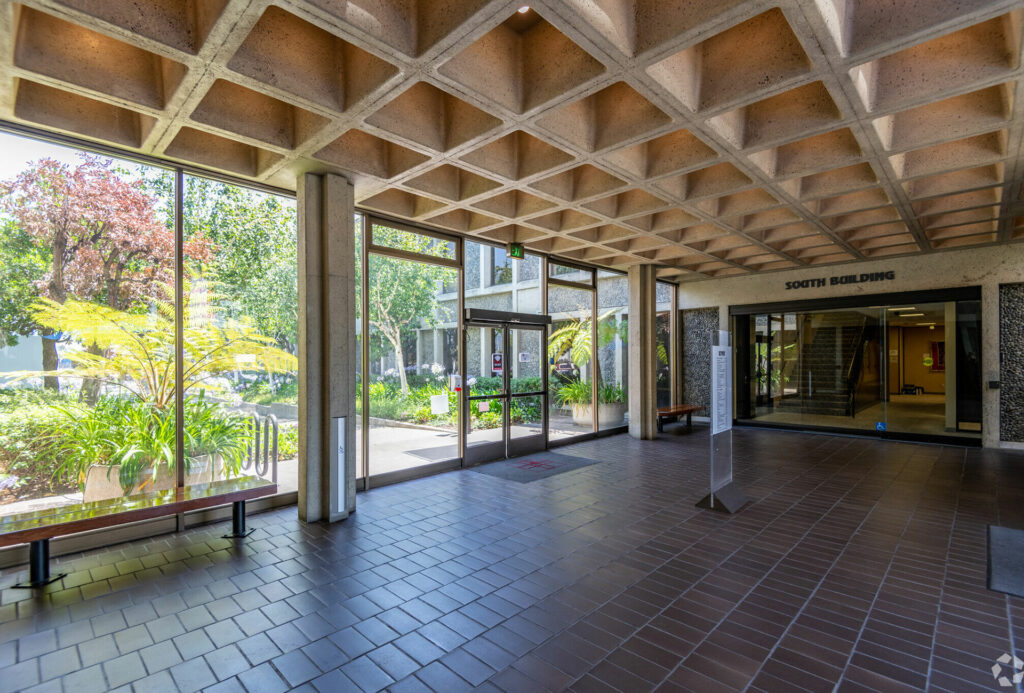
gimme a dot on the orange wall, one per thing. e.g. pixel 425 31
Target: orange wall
pixel 917 341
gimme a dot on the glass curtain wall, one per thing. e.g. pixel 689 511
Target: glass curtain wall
pixel 571 382
pixel 241 333
pixel 612 364
pixel 411 304
pixel 88 314
pixel 910 369
pixel 663 324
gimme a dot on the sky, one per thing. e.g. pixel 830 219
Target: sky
pixel 16 152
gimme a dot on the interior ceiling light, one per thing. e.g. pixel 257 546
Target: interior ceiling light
pixel 905 308
pixel 524 9
pixel 926 323
pixel 911 315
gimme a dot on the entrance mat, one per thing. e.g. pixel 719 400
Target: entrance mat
pixel 533 467
pixel 438 454
pixel 1006 560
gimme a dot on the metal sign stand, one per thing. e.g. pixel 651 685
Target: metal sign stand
pixel 724 496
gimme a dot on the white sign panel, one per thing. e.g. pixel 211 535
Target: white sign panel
pixel 439 404
pixel 721 386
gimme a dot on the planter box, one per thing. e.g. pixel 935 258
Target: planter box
pixel 608 415
pixel 102 483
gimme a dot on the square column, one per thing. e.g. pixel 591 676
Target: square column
pixel 643 384
pixel 327 348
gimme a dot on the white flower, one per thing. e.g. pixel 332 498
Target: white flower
pixel 437 369
pixel 471 381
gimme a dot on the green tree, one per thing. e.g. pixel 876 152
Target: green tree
pixel 402 293
pixel 23 264
pixel 254 258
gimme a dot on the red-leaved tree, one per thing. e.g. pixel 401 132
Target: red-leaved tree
pixel 105 235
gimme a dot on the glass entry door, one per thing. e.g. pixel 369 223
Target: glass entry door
pixel 505 390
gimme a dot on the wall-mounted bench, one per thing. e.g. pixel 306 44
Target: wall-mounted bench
pixel 674 412
pixel 38 527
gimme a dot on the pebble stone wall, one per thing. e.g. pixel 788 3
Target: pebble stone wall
pixel 1011 358
pixel 698 326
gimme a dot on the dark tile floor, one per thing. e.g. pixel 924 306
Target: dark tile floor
pixel 861 566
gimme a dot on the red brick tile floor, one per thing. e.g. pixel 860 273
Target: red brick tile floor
pixel 859 566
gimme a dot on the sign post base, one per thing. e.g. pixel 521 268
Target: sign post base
pixel 728 499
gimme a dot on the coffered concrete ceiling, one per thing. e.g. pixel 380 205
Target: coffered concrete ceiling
pixel 711 137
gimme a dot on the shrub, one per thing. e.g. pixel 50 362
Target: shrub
pixel 139 437
pixel 26 419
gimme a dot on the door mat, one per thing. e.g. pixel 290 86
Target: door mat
pixel 1006 560
pixel 533 467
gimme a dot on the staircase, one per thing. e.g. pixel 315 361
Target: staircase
pixel 827 365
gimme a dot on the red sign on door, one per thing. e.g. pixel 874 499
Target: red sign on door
pixel 497 363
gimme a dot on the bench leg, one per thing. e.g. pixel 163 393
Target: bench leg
pixel 39 566
pixel 661 425
pixel 689 420
pixel 238 530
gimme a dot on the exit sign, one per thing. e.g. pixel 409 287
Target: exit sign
pixel 516 251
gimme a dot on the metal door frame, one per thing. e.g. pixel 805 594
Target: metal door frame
pixel 507 447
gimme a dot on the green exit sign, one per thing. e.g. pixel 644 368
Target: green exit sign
pixel 516 250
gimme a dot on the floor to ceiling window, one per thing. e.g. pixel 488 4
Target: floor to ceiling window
pixel 410 301
pixel 612 360
pixel 571 383
pixel 241 322
pixel 89 315
pixel 663 336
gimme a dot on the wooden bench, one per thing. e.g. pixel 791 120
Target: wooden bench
pixel 38 527
pixel 674 412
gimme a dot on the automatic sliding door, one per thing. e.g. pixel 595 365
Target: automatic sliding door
pixel 527 408
pixel 486 393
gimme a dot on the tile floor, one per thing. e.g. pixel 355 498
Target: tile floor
pixel 861 566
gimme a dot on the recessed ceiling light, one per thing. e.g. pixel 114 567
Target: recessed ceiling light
pixel 524 9
pixel 910 315
pixel 904 308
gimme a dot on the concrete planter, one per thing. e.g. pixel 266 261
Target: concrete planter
pixel 101 481
pixel 608 415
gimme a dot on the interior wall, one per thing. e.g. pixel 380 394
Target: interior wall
pixel 917 342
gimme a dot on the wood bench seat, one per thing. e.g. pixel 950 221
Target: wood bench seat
pixel 39 526
pixel 674 412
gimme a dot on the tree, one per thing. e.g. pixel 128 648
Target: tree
pixel 254 254
pixel 402 292
pixel 573 338
pixel 137 349
pixel 22 265
pixel 100 230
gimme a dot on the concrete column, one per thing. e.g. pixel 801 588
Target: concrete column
pixel 419 352
pixel 643 393
pixel 327 348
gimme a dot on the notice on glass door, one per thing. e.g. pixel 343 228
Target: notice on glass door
pixel 721 385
